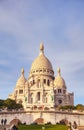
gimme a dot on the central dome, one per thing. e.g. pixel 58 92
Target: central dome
pixel 41 63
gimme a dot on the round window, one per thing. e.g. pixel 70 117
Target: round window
pixel 59 101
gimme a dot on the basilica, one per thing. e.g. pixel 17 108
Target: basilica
pixel 42 88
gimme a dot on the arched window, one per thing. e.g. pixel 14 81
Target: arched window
pixel 44 81
pixel 33 81
pixel 38 83
pixel 59 101
pixel 59 91
pixel 38 96
pixel 54 91
pixel 48 82
pixel 31 98
pixel 21 91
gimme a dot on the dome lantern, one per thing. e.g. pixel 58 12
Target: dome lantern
pixel 22 71
pixel 58 70
pixel 41 49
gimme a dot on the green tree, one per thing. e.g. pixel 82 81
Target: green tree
pixel 10 104
pixel 67 107
pixel 1 103
pixel 80 107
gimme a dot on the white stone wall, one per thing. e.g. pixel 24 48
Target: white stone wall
pixel 48 116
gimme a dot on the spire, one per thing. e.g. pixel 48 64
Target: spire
pixel 41 48
pixel 22 71
pixel 58 70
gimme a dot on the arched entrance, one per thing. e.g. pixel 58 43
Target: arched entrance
pixel 39 121
pixel 15 122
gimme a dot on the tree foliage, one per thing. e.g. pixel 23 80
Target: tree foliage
pixel 10 104
pixel 78 107
pixel 1 103
pixel 67 107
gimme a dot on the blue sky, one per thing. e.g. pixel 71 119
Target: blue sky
pixel 59 24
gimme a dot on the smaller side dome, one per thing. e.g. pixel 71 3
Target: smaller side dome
pixel 22 80
pixel 59 81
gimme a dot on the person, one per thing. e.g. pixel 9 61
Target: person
pixel 2 121
pixel 14 128
pixel 74 125
pixel 5 121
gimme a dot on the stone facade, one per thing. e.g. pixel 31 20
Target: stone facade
pixel 42 89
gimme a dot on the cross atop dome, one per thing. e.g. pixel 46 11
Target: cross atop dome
pixel 41 48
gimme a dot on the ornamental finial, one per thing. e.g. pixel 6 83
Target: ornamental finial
pixel 22 71
pixel 58 70
pixel 41 48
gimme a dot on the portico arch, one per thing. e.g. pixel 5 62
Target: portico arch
pixel 39 121
pixel 15 122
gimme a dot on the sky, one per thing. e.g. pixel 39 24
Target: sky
pixel 59 24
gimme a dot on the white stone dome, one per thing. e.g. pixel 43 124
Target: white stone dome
pixel 22 80
pixel 59 81
pixel 41 63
